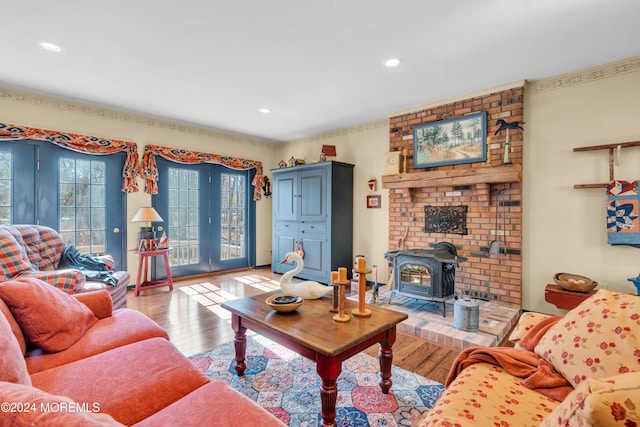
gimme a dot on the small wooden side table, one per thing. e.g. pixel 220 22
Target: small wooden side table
pixel 565 300
pixel 143 265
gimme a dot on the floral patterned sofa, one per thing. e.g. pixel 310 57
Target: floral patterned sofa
pixel 36 251
pixel 580 369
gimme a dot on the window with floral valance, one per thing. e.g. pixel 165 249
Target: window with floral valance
pixel 83 144
pixel 150 169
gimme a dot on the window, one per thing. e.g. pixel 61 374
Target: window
pixel 74 193
pixel 232 223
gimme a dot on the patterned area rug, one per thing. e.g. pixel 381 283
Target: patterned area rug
pixel 288 386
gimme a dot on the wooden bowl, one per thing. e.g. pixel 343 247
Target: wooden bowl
pixel 574 282
pixel 284 307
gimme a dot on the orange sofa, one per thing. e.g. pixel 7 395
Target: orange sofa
pixel 73 360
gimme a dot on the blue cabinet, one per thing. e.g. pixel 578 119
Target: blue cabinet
pixel 313 209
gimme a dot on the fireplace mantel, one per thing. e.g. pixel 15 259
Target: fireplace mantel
pixel 511 172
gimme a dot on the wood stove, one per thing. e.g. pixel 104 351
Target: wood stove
pixel 425 274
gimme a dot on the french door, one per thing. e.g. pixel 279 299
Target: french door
pixel 209 217
pixel 76 194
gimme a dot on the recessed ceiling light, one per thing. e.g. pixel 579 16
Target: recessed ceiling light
pixel 264 110
pixel 50 47
pixel 392 62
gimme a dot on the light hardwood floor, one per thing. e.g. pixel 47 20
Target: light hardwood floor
pixel 192 316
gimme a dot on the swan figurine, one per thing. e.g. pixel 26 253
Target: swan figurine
pixel 307 289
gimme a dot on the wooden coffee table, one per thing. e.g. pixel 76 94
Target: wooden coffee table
pixel 311 332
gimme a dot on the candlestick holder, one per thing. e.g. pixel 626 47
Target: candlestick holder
pixel 361 269
pixel 336 293
pixel 505 158
pixel 341 316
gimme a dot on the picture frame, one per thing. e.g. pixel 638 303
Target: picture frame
pixel 374 201
pixel 452 141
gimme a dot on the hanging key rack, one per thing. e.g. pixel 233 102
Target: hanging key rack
pixel 612 148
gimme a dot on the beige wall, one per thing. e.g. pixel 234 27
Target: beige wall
pixel 21 108
pixel 365 147
pixel 564 229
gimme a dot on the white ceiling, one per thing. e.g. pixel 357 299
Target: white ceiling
pixel 317 64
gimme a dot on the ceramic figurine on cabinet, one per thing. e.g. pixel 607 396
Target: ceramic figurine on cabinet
pixel 282 164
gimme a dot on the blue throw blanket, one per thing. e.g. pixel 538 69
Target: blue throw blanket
pixel 93 268
pixel 623 223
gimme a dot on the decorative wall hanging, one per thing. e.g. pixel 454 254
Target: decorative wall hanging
pixel 373 201
pixel 84 144
pixel 150 169
pixel 328 151
pixel 266 187
pixel 448 142
pixel 502 125
pixel 373 184
pixel 445 219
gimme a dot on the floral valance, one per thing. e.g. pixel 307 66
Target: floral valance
pixel 150 168
pixel 83 144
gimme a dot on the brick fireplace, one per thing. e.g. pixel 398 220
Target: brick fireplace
pixel 495 277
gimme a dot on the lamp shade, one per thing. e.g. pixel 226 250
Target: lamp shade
pixel 146 214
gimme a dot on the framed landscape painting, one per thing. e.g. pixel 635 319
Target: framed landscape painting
pixel 452 141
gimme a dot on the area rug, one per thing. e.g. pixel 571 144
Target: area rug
pixel 288 386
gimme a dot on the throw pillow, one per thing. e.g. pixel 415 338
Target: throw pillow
pixel 50 318
pixel 597 339
pixel 12 365
pixel 600 402
pixel 527 321
pixel 28 406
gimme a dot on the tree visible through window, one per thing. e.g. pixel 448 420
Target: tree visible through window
pixel 184 219
pixel 6 185
pixel 232 221
pixel 83 204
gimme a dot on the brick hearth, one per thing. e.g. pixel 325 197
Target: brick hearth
pixel 426 321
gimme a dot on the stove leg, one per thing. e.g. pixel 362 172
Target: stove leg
pixel 444 309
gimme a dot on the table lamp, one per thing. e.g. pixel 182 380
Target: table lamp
pixel 146 234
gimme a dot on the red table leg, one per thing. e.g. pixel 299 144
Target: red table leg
pixel 240 344
pixel 386 359
pixel 141 266
pixel 329 369
pixel 165 256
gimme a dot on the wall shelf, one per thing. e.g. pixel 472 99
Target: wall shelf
pixel 503 173
pixel 611 148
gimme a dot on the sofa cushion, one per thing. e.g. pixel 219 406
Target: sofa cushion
pixel 226 409
pixel 596 339
pixel 13 256
pixel 124 327
pixel 51 319
pixel 129 383
pixel 68 280
pixel 486 395
pixel 526 321
pixel 12 365
pixel 15 328
pixel 28 406
pixel 600 402
pixel 43 244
